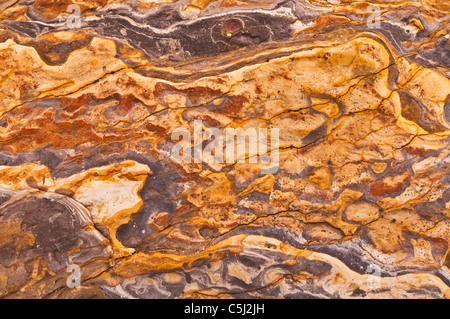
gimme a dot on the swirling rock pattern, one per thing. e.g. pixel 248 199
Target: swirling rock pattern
pixel 89 103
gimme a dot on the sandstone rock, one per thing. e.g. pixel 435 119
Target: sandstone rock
pixel 342 190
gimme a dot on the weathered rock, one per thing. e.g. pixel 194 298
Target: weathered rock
pixel 351 201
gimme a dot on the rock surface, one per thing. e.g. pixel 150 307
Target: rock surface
pixel 357 207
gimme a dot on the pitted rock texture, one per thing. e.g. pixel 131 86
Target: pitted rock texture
pixel 358 207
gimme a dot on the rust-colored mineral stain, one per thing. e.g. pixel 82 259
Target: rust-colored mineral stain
pixel 232 26
pixel 385 188
pixel 50 9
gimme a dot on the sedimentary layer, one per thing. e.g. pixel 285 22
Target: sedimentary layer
pixel 356 203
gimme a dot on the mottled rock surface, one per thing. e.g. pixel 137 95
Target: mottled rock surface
pixel 358 207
